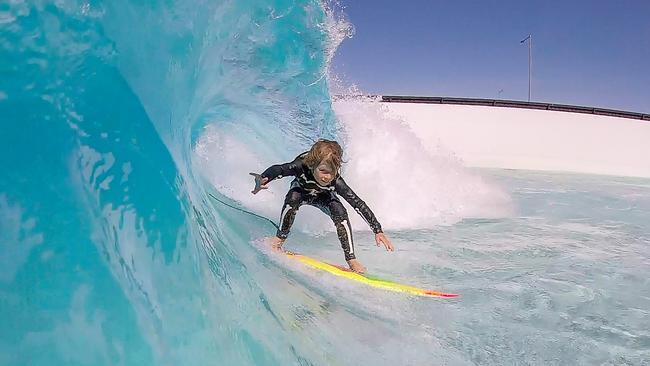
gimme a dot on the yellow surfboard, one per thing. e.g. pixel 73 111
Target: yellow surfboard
pixel 366 279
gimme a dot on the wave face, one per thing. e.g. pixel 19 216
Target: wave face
pixel 111 253
pixel 118 119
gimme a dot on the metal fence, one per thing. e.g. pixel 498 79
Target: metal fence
pixel 515 104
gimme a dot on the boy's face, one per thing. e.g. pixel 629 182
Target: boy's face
pixel 323 174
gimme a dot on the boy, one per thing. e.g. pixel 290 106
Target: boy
pixel 317 183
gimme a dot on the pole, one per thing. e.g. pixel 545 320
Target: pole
pixel 530 62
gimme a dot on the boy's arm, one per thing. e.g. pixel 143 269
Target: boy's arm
pixel 282 170
pixel 357 203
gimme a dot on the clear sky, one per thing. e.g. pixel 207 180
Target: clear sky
pixel 585 52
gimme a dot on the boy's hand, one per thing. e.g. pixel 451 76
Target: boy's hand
pixel 260 183
pixel 381 238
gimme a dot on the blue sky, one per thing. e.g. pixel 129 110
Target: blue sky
pixel 594 53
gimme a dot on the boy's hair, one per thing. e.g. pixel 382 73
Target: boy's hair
pixel 325 152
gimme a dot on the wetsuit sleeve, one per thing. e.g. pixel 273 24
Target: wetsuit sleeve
pixel 343 190
pixel 282 170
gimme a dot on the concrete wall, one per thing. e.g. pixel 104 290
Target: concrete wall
pixel 498 137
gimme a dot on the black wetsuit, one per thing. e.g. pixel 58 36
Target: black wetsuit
pixel 305 190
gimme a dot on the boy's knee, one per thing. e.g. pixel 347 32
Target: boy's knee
pixel 340 219
pixel 293 206
pixel 293 199
pixel 293 203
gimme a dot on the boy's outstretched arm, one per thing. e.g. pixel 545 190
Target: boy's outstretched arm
pixel 342 189
pixel 275 172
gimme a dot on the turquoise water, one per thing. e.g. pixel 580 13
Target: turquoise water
pixel 118 119
pixel 110 252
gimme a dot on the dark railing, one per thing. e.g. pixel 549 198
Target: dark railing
pixel 515 104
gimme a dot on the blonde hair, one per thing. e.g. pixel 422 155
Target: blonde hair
pixel 326 152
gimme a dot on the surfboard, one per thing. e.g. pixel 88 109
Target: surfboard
pixel 366 279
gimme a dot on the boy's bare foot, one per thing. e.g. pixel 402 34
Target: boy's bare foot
pixel 356 266
pixel 276 244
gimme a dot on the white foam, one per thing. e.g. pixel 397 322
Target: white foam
pixel 405 183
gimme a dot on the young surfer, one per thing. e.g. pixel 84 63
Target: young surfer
pixel 318 183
